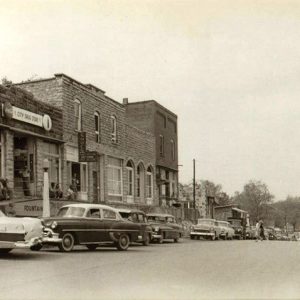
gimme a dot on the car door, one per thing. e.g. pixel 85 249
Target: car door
pixel 94 227
pixel 110 222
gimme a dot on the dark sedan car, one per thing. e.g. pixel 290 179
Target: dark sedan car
pixel 164 227
pixel 89 225
pixel 138 217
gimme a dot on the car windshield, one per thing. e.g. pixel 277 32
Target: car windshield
pixel 206 222
pixel 157 218
pixel 170 220
pixel 223 224
pixel 236 222
pixel 124 215
pixel 70 211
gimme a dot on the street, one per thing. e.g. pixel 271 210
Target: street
pixel 187 270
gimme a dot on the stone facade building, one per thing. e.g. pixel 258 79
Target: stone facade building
pixel 114 162
pixel 152 117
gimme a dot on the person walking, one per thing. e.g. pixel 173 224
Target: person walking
pixel 257 230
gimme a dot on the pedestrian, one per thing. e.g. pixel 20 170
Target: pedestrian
pixel 258 230
pixel 58 192
pixel 70 193
pixel 262 231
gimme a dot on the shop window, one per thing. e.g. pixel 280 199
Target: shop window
pixel 77 113
pixel 130 176
pixel 114 177
pixel 97 127
pixel 149 183
pixel 113 129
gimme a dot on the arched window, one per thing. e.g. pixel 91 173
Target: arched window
pixel 97 127
pixel 130 176
pixel 113 129
pixel 140 175
pixel 149 183
pixel 173 153
pixel 77 114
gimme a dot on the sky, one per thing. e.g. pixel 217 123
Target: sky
pixel 229 69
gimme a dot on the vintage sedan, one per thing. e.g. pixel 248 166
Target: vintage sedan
pixel 225 230
pixel 19 233
pixel 164 227
pixel 206 228
pixel 90 225
pixel 138 217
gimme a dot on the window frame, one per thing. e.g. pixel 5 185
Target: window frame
pixel 130 183
pixel 161 145
pixel 173 154
pixel 97 126
pixel 113 120
pixel 149 173
pixel 78 119
pixel 119 168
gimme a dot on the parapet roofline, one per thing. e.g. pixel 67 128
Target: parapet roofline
pixel 156 103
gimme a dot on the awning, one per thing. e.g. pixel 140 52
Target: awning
pixel 239 210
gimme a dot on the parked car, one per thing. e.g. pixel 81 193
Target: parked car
pixel 140 218
pixel 225 231
pixel 238 228
pixel 164 227
pixel 206 228
pixel 19 233
pixel 90 225
pixel 250 232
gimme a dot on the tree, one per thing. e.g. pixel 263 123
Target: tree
pixel 5 81
pixel 254 199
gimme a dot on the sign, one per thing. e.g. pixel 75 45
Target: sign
pixel 29 117
pixel 88 156
pixel 83 154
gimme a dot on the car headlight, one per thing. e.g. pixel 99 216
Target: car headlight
pixel 54 225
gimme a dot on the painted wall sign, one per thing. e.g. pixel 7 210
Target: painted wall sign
pixel 30 117
pixel 85 155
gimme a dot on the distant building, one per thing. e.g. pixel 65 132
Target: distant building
pixel 152 117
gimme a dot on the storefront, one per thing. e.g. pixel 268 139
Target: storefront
pixel 30 131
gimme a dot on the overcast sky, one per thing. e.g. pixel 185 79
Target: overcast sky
pixel 230 70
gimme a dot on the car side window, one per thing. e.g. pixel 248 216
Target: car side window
pixel 141 218
pixel 93 213
pixel 109 214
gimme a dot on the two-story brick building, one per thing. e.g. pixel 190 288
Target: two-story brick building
pixel 114 161
pixel 152 117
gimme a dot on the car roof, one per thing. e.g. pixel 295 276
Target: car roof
pixel 128 210
pixel 208 220
pixel 90 205
pixel 159 215
pixel 220 221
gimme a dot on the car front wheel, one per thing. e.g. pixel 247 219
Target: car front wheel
pixel 67 243
pixel 123 242
pixel 36 247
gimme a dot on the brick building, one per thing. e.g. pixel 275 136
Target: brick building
pixel 120 165
pixel 152 117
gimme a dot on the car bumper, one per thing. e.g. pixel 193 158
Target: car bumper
pixel 21 244
pixel 202 233
pixel 51 237
pixel 156 236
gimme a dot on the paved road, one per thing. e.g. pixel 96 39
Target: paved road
pixel 188 270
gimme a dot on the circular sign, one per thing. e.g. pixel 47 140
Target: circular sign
pixel 47 122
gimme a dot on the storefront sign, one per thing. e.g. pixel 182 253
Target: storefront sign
pixel 31 118
pixel 85 155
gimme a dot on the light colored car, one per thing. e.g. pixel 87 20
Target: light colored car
pixel 206 228
pixel 225 230
pixel 19 233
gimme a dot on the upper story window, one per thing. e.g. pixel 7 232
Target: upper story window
pixel 113 129
pixel 97 127
pixel 77 113
pixel 149 183
pixel 161 145
pixel 130 176
pixel 173 154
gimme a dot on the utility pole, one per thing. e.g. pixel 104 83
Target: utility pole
pixel 194 183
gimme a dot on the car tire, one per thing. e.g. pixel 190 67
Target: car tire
pixel 147 240
pixel 5 250
pixel 123 242
pixel 36 247
pixel 226 237
pixel 92 247
pixel 67 243
pixel 176 240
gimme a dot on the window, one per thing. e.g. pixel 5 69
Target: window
pixel 97 127
pixel 93 213
pixel 161 145
pixel 109 214
pixel 149 183
pixel 130 177
pixel 172 149
pixel 113 129
pixel 77 113
pixel 114 177
pixel 140 180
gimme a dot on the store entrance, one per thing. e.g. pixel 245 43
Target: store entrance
pixel 23 166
